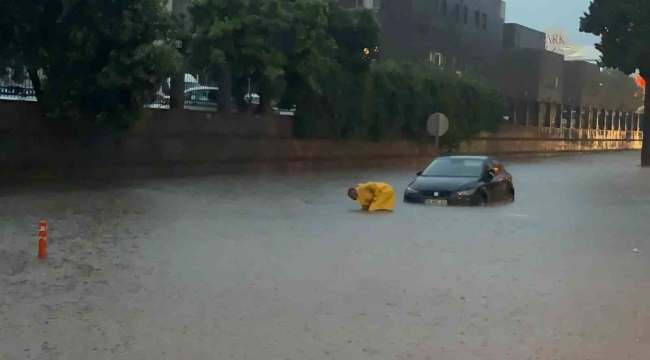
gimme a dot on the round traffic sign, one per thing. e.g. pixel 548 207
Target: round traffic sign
pixel 438 124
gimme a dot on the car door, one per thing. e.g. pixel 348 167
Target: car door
pixel 501 178
pixel 490 186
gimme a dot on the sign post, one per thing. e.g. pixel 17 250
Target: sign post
pixel 437 125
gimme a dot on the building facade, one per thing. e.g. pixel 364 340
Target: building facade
pixel 532 74
pixel 472 38
pixel 583 83
pixel 368 4
pixel 517 36
pixel 463 35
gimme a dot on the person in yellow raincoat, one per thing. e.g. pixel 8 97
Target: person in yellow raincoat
pixel 373 196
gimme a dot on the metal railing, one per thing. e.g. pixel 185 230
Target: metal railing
pixel 542 114
pixel 198 96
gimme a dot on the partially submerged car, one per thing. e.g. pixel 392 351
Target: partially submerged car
pixel 461 180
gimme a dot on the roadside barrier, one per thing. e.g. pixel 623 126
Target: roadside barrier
pixel 42 242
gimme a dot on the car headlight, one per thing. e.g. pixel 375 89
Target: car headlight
pixel 466 192
pixel 411 191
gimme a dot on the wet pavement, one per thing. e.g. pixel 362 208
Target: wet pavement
pixel 284 266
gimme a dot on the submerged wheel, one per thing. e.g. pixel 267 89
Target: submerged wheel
pixel 511 195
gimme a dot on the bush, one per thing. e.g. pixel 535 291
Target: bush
pixel 394 101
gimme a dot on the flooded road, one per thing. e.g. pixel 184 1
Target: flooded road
pixel 278 266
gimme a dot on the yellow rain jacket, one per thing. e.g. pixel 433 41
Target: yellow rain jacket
pixel 376 196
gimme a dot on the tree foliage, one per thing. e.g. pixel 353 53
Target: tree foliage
pixel 243 35
pixel 287 47
pixel 313 54
pixel 618 91
pixel 624 31
pixel 326 72
pixel 101 61
pixel 624 42
pixel 395 101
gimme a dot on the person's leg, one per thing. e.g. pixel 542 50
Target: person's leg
pixel 390 201
pixel 384 201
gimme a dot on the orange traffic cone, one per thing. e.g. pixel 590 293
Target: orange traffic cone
pixel 42 229
pixel 42 248
pixel 42 242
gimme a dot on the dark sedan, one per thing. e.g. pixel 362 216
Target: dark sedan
pixel 461 180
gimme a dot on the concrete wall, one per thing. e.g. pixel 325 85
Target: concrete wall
pixel 25 118
pixel 530 139
pixel 177 137
pixel 145 150
pixel 157 123
pixel 537 146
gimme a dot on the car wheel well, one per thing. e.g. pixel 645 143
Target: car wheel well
pixel 484 196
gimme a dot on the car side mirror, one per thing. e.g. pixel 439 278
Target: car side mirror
pixel 419 173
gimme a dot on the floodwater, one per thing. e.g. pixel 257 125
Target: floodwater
pixel 284 266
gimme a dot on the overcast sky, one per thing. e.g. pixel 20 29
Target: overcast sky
pixel 540 14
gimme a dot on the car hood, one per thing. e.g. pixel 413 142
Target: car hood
pixel 423 183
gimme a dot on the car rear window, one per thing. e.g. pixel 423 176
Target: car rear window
pixel 450 167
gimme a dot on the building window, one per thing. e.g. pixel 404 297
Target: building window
pixel 484 25
pixel 477 18
pixel 443 8
pixel 435 58
pixel 557 83
pixel 369 4
pixel 465 14
pixel 457 13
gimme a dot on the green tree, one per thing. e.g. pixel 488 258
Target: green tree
pixel 240 38
pixel 398 99
pixel 618 91
pixel 292 50
pixel 101 61
pixel 624 43
pixel 25 35
pixel 326 67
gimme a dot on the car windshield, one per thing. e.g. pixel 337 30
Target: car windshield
pixel 451 167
